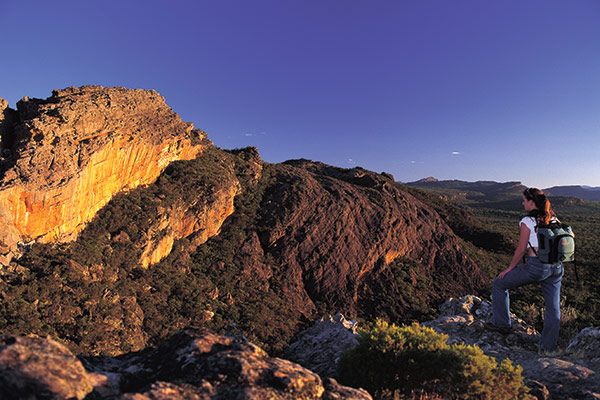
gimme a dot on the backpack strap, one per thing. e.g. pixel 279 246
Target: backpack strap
pixel 532 248
pixel 529 242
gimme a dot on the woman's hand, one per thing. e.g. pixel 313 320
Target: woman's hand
pixel 503 273
pixel 519 251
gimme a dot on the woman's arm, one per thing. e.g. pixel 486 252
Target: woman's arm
pixel 519 252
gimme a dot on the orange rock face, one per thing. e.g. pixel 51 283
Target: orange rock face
pixel 66 156
pixel 205 219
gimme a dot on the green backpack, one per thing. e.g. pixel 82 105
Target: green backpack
pixel 556 242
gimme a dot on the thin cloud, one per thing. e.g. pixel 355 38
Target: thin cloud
pixel 456 153
pixel 255 134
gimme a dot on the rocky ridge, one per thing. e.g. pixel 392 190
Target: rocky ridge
pixel 197 364
pixel 65 157
pixel 192 364
pixel 288 241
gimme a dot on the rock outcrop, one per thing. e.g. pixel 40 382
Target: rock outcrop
pixel 320 347
pixel 65 157
pixel 192 364
pixel 586 343
pixel 572 375
pixel 34 367
pixel 198 213
pixel 304 239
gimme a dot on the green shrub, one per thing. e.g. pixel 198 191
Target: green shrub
pixel 397 362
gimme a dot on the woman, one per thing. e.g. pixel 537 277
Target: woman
pixel 533 271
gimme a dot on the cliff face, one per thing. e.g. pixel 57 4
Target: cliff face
pixel 65 157
pixel 197 212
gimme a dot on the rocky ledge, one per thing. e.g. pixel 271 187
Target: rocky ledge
pixel 573 374
pixel 195 364
pixel 192 364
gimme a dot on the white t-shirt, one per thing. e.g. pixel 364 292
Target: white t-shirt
pixel 531 223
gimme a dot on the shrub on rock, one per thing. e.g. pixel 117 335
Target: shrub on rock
pixel 397 362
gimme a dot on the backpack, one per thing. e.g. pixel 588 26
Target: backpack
pixel 556 242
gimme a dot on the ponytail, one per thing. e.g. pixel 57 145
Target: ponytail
pixel 543 212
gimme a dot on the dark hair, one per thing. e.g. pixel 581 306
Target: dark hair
pixel 543 211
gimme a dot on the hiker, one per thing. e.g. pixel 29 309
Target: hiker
pixel 533 271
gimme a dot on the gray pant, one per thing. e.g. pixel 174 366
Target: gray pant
pixel 533 271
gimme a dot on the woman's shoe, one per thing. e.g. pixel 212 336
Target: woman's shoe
pixel 505 330
pixel 550 353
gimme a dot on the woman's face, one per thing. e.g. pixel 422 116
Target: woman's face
pixel 529 205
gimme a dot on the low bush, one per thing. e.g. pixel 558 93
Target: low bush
pixel 394 362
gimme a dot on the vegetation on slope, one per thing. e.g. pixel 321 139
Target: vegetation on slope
pixel 93 295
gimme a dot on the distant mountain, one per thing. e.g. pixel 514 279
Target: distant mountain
pixel 471 192
pixel 506 195
pixel 581 192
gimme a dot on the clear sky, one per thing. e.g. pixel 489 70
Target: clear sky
pixel 456 89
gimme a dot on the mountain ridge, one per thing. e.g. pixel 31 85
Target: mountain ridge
pixel 492 190
pixel 227 242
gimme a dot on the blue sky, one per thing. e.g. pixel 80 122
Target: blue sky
pixel 473 90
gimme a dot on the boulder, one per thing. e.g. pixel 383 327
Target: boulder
pixel 586 343
pixel 320 347
pixel 192 364
pixel 36 367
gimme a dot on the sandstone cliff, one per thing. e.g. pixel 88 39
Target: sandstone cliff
pixel 65 157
